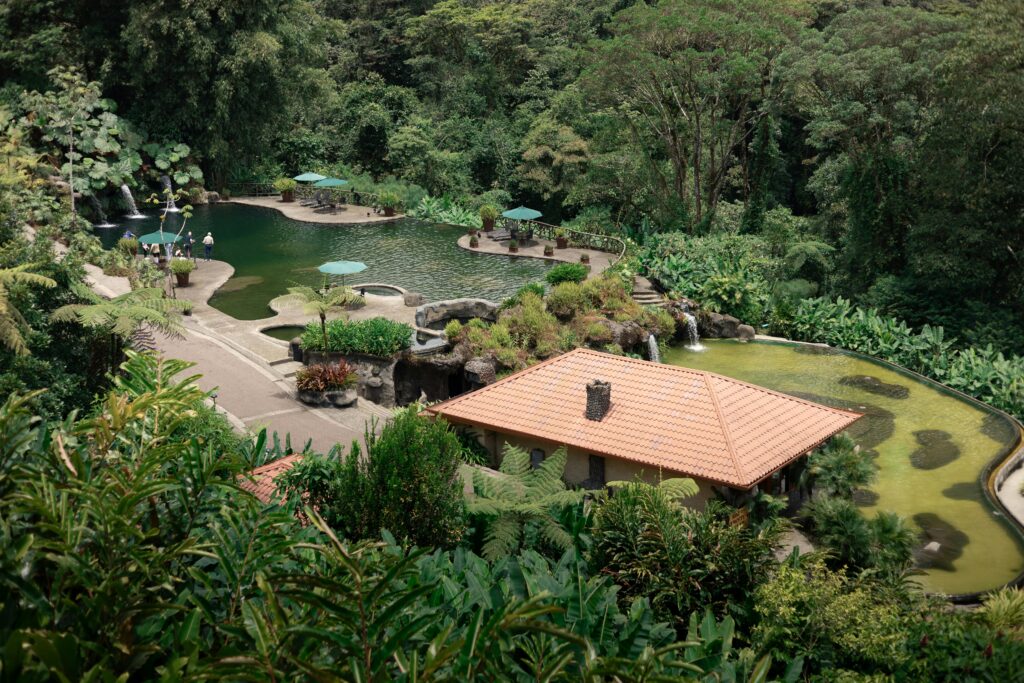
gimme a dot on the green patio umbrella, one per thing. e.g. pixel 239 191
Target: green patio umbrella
pixel 160 237
pixel 309 177
pixel 342 268
pixel 521 213
pixel 330 182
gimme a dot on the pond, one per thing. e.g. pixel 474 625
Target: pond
pixel 271 252
pixel 930 446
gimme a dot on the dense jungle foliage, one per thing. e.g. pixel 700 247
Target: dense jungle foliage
pixel 883 137
pixel 844 171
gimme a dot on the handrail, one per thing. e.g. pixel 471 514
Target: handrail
pixel 589 240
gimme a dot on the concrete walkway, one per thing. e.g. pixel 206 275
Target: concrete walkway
pixel 599 260
pixel 1011 496
pixel 350 214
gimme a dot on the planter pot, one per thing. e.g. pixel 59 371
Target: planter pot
pixel 584 258
pixel 288 196
pixel 342 398
pixel 562 242
pixel 389 211
pixel 472 232
pixel 311 398
pixel 513 247
pixel 474 243
pixel 549 250
pixel 488 224
pixel 182 279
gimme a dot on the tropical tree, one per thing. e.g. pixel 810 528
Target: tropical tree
pixel 12 322
pixel 320 302
pixel 519 504
pixel 840 467
pixel 127 315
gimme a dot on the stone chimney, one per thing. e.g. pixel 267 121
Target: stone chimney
pixel 599 399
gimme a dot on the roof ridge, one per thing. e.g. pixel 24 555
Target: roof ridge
pixel 741 473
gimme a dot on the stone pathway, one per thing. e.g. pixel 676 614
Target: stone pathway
pixel 1011 496
pixel 350 214
pixel 645 294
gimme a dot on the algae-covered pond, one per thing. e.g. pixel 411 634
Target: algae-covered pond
pixel 930 446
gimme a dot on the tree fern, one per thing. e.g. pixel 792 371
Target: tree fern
pixel 520 502
pixel 12 322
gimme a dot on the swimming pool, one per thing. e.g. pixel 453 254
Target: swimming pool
pixel 271 252
pixel 929 443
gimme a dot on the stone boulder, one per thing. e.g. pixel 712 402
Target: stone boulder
pixel 480 372
pixel 212 197
pixel 718 326
pixel 440 312
pixel 745 333
pixel 414 299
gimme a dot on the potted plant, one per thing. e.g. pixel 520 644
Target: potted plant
pixel 181 267
pixel 561 239
pixel 286 186
pixel 584 257
pixel 474 242
pixel 488 214
pixel 549 250
pixel 513 246
pixel 472 231
pixel 389 201
pixel 327 384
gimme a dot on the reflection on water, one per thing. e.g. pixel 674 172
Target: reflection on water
pixel 930 447
pixel 270 253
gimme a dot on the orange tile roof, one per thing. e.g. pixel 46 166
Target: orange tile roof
pixel 260 482
pixel 687 421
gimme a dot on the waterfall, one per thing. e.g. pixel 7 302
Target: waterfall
pixel 169 193
pixel 652 349
pixel 692 335
pixel 98 208
pixel 129 200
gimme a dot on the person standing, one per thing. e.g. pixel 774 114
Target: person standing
pixel 208 245
pixel 155 253
pixel 189 241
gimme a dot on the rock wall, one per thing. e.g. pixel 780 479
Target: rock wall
pixel 433 314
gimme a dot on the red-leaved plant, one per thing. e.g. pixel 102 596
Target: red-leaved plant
pixel 326 377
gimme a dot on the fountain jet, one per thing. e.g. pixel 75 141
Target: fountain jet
pixel 129 200
pixel 169 193
pixel 98 208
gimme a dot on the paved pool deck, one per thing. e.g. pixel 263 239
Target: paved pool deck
pixel 350 214
pixel 599 260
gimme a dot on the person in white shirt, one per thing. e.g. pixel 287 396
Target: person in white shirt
pixel 208 245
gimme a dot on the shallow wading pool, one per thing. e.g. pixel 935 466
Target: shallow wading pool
pixel 930 446
pixel 271 252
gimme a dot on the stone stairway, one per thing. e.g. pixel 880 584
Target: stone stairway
pixel 644 293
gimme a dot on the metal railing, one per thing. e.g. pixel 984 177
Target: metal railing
pixel 304 192
pixel 578 238
pixel 251 189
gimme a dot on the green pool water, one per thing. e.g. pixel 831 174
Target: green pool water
pixel 284 332
pixel 270 252
pixel 930 447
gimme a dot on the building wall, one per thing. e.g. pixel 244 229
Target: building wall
pixel 577 468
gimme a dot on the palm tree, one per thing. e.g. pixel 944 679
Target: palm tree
pixel 124 315
pixel 521 497
pixel 12 322
pixel 322 301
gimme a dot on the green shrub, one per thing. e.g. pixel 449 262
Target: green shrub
pixel 567 272
pixel 129 246
pixel 453 329
pixel 679 558
pixel 374 337
pixel 884 543
pixel 567 299
pixel 1004 610
pixel 831 620
pixel 389 200
pixel 840 467
pixel 285 184
pixel 535 288
pixel 181 266
pixel 488 212
pixel 408 483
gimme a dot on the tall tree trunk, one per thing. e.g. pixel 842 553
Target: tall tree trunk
pixel 323 329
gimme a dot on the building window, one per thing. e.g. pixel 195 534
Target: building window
pixel 536 458
pixel 596 479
